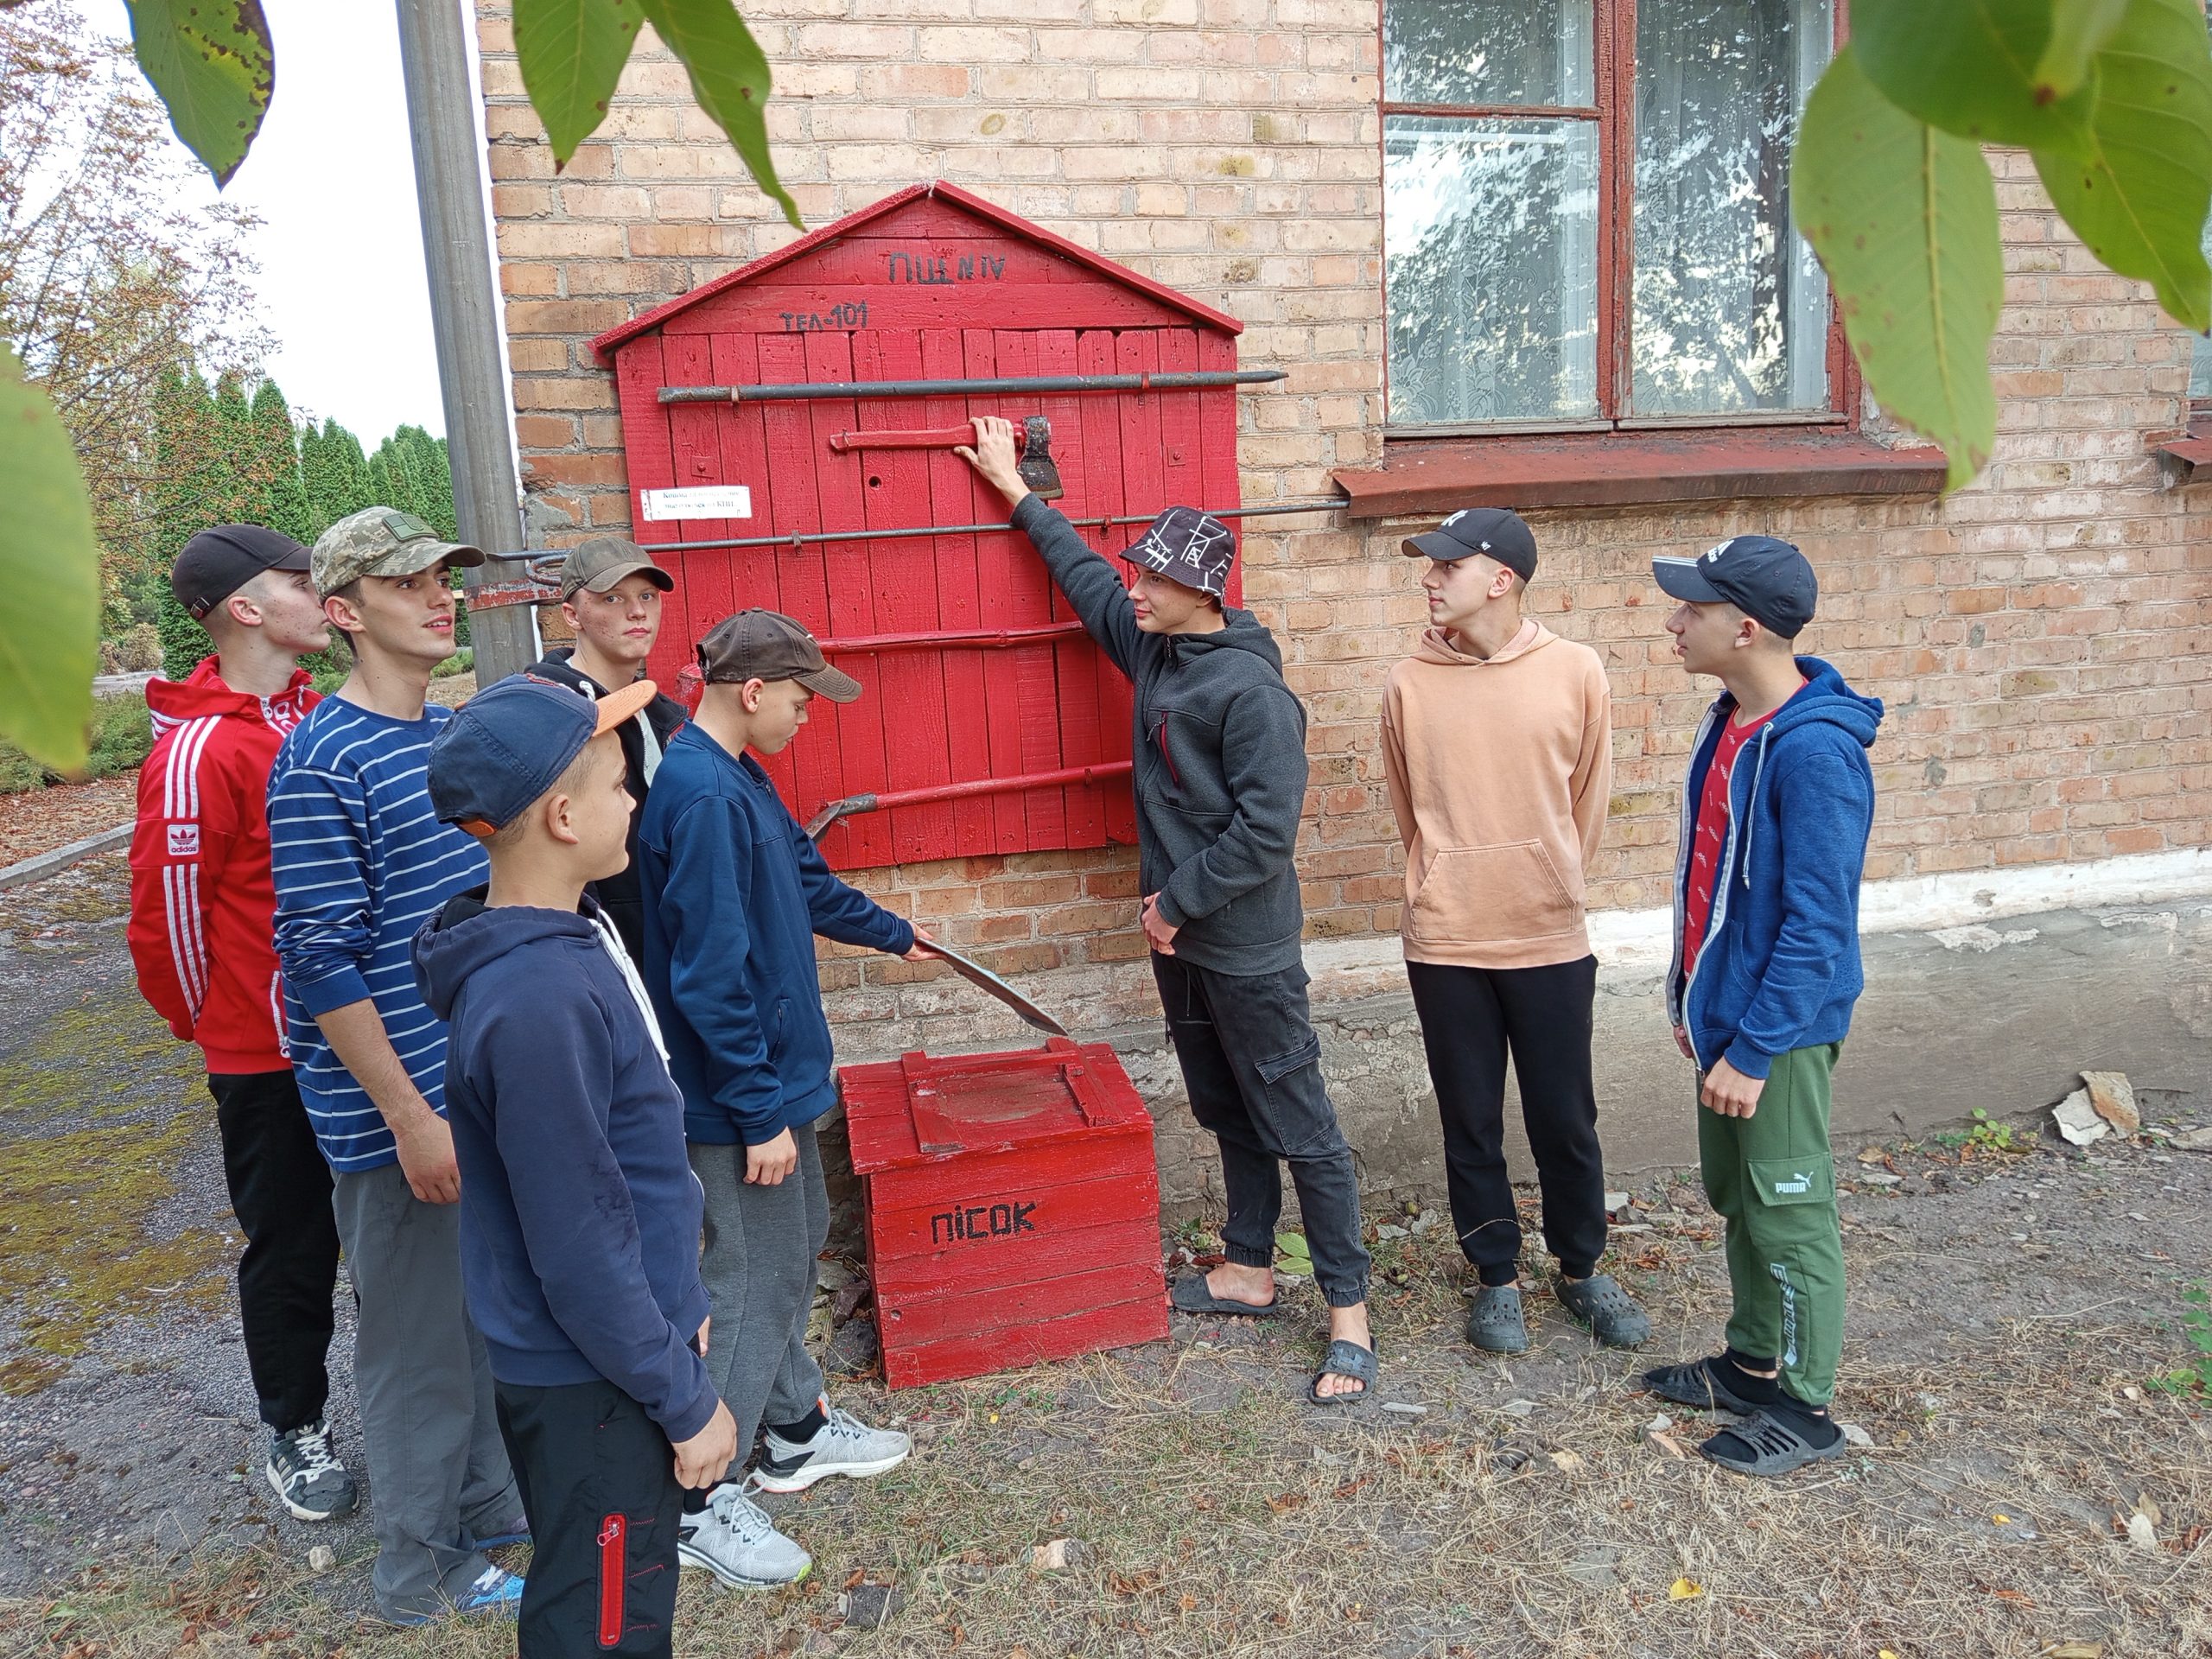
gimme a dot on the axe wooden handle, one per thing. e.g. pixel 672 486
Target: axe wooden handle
pixel 933 437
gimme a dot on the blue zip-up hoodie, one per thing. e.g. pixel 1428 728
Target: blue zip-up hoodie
pixel 578 1212
pixel 1779 968
pixel 735 895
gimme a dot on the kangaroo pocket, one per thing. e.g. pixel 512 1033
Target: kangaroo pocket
pixel 1490 895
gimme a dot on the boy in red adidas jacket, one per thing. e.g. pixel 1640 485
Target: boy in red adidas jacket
pixel 202 931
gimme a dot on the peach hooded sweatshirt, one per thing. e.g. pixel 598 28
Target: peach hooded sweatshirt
pixel 1499 774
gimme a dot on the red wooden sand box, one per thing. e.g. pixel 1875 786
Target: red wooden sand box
pixel 1013 1208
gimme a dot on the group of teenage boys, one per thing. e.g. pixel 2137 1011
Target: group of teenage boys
pixel 546 1064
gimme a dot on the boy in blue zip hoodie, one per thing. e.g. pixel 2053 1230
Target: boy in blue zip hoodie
pixel 1776 813
pixel 734 892
pixel 579 1217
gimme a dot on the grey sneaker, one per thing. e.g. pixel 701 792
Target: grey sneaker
pixel 309 1480
pixel 1496 1325
pixel 843 1446
pixel 734 1539
pixel 1609 1312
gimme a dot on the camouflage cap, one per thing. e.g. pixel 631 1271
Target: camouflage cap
pixel 380 542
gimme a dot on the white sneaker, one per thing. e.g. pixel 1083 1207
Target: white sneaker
pixel 734 1539
pixel 843 1446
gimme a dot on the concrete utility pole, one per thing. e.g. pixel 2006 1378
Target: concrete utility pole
pixel 464 316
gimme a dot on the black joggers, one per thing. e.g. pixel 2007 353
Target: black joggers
pixel 1470 1018
pixel 598 1480
pixel 280 1191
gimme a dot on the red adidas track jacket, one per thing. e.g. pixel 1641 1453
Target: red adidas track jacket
pixel 203 902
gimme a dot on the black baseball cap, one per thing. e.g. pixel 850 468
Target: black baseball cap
pixel 768 645
pixel 1769 580
pixel 510 743
pixel 1495 530
pixel 216 563
pixel 1185 545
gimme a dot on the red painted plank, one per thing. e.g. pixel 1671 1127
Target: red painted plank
pixel 857 726
pixel 1029 600
pixel 956 498
pixel 1119 1326
pixel 1075 680
pixel 916 1272
pixel 997 565
pixel 1178 422
pixel 1102 432
pixel 1011 1311
pixel 903 577
pixel 696 454
pixel 651 465
pixel 806 307
pixel 806 772
pixel 744 460
pixel 1220 483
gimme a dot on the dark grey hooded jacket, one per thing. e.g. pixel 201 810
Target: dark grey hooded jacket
pixel 1220 753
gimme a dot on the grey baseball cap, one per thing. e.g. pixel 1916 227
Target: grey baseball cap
pixel 380 542
pixel 598 564
pixel 769 645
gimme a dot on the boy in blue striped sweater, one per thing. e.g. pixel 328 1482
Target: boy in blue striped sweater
pixel 360 862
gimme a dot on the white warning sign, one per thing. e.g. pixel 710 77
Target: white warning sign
pixel 702 501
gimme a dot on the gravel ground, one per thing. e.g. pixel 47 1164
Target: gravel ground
pixel 2012 1314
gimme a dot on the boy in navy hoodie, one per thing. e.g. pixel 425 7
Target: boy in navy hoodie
pixel 579 1217
pixel 734 893
pixel 1776 813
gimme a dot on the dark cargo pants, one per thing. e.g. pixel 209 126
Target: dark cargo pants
pixel 1252 1067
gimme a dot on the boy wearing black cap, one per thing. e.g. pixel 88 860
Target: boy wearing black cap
pixel 610 598
pixel 735 895
pixel 1776 813
pixel 580 1218
pixel 1220 781
pixel 202 908
pixel 1496 739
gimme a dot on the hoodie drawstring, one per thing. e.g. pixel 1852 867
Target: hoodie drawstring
pixel 1751 820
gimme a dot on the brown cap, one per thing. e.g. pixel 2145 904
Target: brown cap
pixel 769 645
pixel 600 562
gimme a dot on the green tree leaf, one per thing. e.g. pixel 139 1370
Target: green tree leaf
pixel 1968 66
pixel 49 650
pixel 571 53
pixel 2140 198
pixel 1904 219
pixel 2079 29
pixel 729 77
pixel 213 64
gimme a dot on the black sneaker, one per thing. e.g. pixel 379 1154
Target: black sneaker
pixel 310 1481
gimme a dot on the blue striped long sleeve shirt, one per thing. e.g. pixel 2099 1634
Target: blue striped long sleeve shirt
pixel 360 861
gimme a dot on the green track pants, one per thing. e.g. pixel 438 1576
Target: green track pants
pixel 1772 1178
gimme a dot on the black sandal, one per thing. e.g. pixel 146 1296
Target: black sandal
pixel 1776 1446
pixel 1189 1294
pixel 1702 1385
pixel 1344 1359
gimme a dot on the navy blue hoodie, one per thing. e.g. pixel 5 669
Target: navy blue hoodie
pixel 1779 968
pixel 735 895
pixel 578 1212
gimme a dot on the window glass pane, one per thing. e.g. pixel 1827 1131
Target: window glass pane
pixel 2200 362
pixel 1487 52
pixel 1731 307
pixel 1491 261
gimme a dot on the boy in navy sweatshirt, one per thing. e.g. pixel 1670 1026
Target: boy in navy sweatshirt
pixel 579 1217
pixel 734 893
pixel 1776 813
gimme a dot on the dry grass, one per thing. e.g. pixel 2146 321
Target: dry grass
pixel 1526 1513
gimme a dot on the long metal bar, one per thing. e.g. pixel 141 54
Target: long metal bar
pixel 464 314
pixel 804 392
pixel 1325 504
pixel 882 800
pixel 969 638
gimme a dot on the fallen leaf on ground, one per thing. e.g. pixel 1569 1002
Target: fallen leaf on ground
pixel 1684 1590
pixel 2002 1519
pixel 1566 1462
pixel 1673 1447
pixel 1283 1503
pixel 2075 1651
pixel 2141 1534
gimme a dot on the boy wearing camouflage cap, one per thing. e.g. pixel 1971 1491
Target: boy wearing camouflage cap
pixel 360 861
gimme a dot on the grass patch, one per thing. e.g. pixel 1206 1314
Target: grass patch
pixel 120 734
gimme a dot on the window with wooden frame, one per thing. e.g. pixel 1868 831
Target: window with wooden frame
pixel 1587 217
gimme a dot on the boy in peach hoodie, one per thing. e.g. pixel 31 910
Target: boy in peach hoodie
pixel 1496 736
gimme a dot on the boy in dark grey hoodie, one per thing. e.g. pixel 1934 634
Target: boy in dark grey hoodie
pixel 1220 779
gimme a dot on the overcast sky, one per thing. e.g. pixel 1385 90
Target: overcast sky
pixel 340 248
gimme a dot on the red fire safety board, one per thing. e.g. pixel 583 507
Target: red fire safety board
pixel 1013 1208
pixel 989 721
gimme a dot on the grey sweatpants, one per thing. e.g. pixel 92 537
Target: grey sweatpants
pixel 440 1473
pixel 760 1267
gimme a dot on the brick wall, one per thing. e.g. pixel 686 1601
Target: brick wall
pixel 2040 638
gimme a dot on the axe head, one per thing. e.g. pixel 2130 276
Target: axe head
pixel 1038 469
